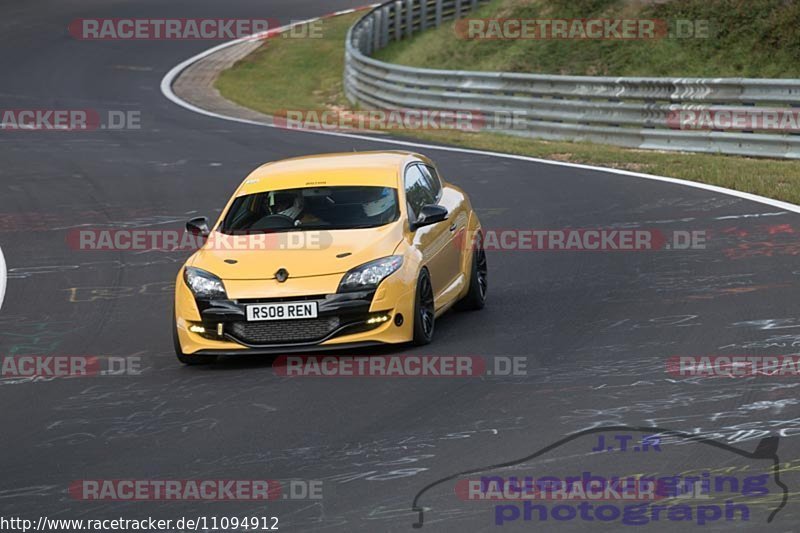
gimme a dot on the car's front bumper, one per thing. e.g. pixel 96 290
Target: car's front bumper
pixel 342 320
pixel 291 349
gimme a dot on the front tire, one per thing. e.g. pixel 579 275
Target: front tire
pixel 424 310
pixel 189 360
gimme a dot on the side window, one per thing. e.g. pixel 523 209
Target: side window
pixel 418 190
pixel 433 180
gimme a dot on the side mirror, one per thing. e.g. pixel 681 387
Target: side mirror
pixel 430 214
pixel 198 226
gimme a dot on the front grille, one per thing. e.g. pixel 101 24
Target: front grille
pixel 318 297
pixel 283 331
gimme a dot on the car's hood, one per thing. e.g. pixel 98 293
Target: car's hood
pixel 302 254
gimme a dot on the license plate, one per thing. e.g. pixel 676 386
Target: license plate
pixel 282 311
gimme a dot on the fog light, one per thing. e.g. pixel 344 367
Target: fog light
pixel 197 329
pixel 398 320
pixel 378 319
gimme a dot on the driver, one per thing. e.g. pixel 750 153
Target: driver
pixel 290 204
pixel 380 201
pixel 286 203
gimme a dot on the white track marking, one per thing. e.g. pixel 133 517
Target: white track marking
pixel 169 78
pixel 3 276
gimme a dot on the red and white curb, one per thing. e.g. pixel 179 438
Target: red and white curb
pixel 172 75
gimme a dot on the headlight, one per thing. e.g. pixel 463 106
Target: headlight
pixel 370 275
pixel 204 284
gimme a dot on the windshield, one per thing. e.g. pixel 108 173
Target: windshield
pixel 312 208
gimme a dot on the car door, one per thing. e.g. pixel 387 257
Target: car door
pixel 452 200
pixel 432 241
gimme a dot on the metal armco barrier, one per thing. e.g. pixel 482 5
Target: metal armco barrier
pixel 631 112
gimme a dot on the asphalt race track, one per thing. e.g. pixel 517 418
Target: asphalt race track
pixel 595 327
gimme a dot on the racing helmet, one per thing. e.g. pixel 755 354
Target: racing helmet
pixel 380 201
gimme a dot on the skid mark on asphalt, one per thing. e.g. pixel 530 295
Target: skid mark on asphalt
pixel 29 336
pixel 776 341
pixel 26 272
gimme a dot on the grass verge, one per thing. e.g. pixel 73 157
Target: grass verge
pixel 719 38
pixel 306 74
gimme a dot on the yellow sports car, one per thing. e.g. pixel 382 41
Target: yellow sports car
pixel 330 252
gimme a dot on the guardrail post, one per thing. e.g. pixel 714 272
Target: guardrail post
pixel 385 26
pixel 358 39
pixel 423 15
pixel 377 24
pixel 457 14
pixel 474 5
pixel 409 17
pixel 398 20
pixel 366 38
pixel 438 13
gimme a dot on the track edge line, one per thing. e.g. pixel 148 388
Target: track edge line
pixel 170 77
pixel 3 277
